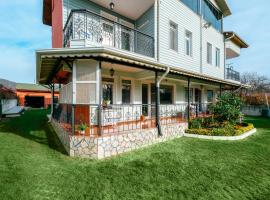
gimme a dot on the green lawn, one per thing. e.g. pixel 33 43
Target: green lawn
pixel 33 166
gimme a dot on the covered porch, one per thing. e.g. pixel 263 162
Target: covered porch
pixel 112 96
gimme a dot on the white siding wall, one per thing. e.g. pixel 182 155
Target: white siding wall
pixel 175 11
pixel 186 19
pixel 217 40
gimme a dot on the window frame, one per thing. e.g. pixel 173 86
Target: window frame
pixel 212 92
pixel 191 94
pixel 190 39
pixel 152 92
pixel 209 53
pixel 218 63
pixel 131 91
pixel 109 83
pixel 173 47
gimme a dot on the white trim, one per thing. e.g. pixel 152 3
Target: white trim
pixel 132 92
pixel 98 86
pixel 74 81
pixel 226 138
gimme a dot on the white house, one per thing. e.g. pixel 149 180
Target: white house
pixel 132 67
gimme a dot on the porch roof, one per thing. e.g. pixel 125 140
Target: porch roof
pixel 48 61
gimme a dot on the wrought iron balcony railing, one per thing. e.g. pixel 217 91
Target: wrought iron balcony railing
pixel 232 75
pixel 122 118
pixel 98 30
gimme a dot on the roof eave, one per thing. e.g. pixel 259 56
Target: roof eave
pixel 107 52
pixel 236 39
pixel 222 4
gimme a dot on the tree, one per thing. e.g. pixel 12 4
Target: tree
pixel 227 108
pixel 258 83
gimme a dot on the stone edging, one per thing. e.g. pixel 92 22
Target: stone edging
pixel 239 137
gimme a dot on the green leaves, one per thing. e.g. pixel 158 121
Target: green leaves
pixel 227 108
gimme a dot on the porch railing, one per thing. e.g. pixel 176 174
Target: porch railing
pixel 98 30
pixel 113 119
pixel 232 74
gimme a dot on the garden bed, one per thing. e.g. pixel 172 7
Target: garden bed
pixel 222 129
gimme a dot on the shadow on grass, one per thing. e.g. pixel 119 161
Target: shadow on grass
pixel 259 122
pixel 33 125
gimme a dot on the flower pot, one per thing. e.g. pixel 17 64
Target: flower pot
pixel 82 132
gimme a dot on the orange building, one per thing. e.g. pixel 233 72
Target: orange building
pixel 35 96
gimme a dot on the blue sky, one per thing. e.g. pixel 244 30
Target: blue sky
pixel 22 32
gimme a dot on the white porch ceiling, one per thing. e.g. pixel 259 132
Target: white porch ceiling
pixel 132 9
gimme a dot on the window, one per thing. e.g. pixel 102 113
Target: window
pixel 166 94
pixel 210 95
pixel 188 43
pixel 126 91
pixel 209 53
pixel 217 57
pixel 190 93
pixel 173 36
pixel 107 87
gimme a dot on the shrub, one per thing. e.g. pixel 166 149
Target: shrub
pixel 240 129
pixel 202 122
pixel 202 131
pixel 227 108
pixel 227 130
pixel 196 123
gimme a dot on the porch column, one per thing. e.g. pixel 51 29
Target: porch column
pixel 52 101
pixel 74 95
pixel 188 111
pixel 157 104
pixel 100 89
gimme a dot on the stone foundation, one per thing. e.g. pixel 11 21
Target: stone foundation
pixel 106 146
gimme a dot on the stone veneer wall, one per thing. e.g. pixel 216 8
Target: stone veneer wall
pixel 103 147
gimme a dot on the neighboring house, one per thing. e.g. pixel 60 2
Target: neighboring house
pixel 8 98
pixel 135 66
pixel 35 96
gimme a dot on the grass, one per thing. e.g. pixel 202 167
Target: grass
pixel 33 166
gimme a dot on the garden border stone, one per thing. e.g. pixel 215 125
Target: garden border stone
pixel 239 137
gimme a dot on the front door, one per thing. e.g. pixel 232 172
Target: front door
pixel 145 99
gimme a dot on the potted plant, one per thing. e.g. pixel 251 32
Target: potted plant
pixel 106 103
pixel 81 128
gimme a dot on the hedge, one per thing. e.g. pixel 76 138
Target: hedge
pixel 226 131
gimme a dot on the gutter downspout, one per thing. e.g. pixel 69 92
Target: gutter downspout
pixel 158 26
pixel 158 81
pixel 201 38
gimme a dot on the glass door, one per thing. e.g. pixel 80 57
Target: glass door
pixel 198 99
pixel 145 99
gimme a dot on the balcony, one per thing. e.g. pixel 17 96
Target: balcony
pixel 96 30
pixel 232 74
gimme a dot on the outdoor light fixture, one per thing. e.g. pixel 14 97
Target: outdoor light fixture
pixel 112 5
pixel 112 72
pixel 207 25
